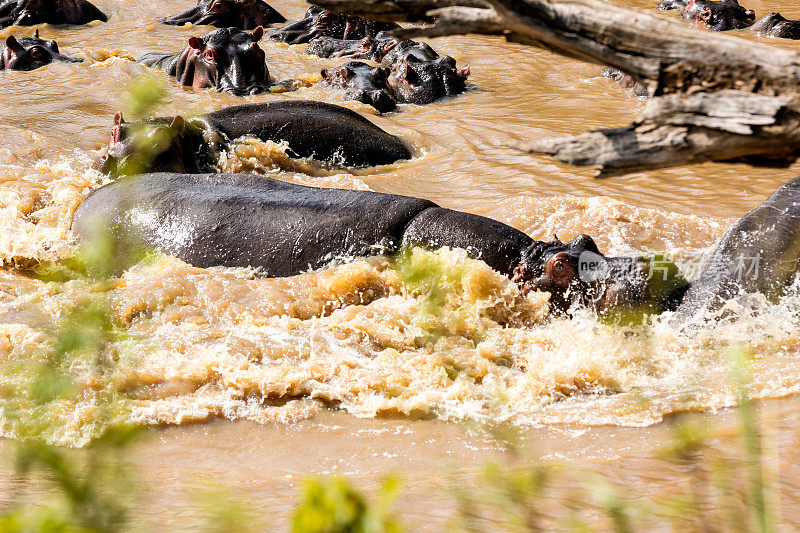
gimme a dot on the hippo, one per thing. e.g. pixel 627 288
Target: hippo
pixel 625 81
pixel 774 25
pixel 418 75
pixel 320 22
pixel 242 14
pixel 283 229
pixel 32 12
pixel 227 59
pixel 369 48
pixel 409 72
pixel 363 83
pixel 30 53
pixel 715 15
pixel 311 129
pixel 668 5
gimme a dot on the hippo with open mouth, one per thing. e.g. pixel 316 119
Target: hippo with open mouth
pixel 283 229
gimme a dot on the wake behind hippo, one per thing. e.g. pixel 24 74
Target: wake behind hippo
pixel 326 132
pixel 240 220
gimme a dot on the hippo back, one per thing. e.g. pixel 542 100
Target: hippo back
pixel 497 244
pixel 759 254
pixel 324 131
pixel 241 220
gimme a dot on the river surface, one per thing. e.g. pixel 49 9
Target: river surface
pixel 360 339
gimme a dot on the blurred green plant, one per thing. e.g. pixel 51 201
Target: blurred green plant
pixel 143 95
pixel 333 506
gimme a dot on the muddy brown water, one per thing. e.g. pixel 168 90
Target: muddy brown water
pixel 353 379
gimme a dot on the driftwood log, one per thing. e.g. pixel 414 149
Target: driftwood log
pixel 714 97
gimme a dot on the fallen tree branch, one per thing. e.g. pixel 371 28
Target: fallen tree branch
pixel 718 97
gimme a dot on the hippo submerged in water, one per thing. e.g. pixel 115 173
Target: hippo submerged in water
pixel 775 25
pixel 409 72
pixel 320 22
pixel 240 220
pixel 714 15
pixel 32 12
pixel 29 53
pixel 242 14
pixel 318 130
pixel 227 59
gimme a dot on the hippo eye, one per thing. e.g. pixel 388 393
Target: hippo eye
pixel 210 56
pixel 37 53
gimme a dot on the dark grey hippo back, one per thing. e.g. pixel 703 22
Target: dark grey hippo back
pixel 326 132
pixel 495 243
pixel 246 220
pixel 759 254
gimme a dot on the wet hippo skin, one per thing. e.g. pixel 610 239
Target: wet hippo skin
pixel 775 25
pixel 32 12
pixel 227 59
pixel 242 14
pixel 325 132
pixel 30 53
pixel 241 220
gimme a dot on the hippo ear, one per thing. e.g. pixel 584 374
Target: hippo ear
pixel 36 34
pixel 705 16
pixel 196 43
pixel 13 44
pixel 324 73
pixel 118 120
pixel 584 242
pixel 464 73
pixel 258 33
pixel 178 124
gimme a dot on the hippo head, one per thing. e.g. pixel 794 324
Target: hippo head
pixel 227 59
pixel 719 16
pixel 419 76
pixel 371 48
pixel 576 273
pixel 29 53
pixel 317 22
pixel 320 22
pixel 154 145
pixel 244 14
pixel 363 83
pixel 767 22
